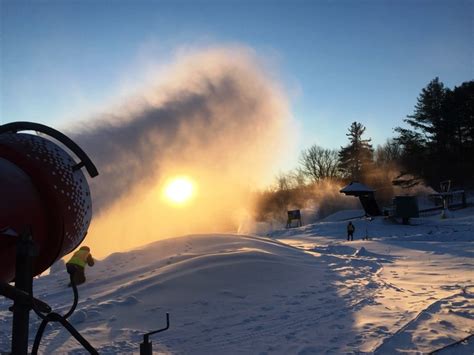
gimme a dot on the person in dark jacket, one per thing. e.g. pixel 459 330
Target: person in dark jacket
pixel 76 265
pixel 350 231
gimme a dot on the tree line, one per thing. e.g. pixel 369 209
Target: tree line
pixel 437 145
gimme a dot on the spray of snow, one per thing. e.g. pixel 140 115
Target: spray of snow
pixel 213 115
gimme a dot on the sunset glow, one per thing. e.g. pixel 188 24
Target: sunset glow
pixel 179 190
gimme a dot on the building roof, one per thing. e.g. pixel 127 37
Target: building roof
pixel 356 188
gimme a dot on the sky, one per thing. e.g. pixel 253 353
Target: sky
pixel 338 61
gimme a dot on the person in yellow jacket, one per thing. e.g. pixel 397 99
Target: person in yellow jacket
pixel 76 265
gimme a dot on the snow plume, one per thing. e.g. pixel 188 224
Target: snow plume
pixel 316 200
pixel 327 199
pixel 216 117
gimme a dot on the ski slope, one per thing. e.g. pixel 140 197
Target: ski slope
pixel 299 291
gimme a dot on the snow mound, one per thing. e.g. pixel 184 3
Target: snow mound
pixel 361 252
pixel 218 289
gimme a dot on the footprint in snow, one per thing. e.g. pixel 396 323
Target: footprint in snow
pixel 446 324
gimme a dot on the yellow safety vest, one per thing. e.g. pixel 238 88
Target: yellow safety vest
pixel 79 258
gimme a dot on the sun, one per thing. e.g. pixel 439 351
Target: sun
pixel 179 190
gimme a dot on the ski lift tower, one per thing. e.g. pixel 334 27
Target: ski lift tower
pixel 366 196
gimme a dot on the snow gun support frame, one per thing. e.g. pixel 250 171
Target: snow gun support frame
pixel 146 348
pixel 23 301
pixel 294 215
pixel 21 293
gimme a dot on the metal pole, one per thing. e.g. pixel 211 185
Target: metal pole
pixel 25 251
pixel 146 347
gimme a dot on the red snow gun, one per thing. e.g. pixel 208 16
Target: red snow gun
pixel 45 211
pixel 44 189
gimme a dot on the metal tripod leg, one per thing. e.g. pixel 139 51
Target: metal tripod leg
pixel 23 281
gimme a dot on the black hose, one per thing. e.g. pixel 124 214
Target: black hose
pixel 76 297
pixel 39 335
pixel 55 317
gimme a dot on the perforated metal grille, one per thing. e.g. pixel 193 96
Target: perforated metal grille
pixel 71 189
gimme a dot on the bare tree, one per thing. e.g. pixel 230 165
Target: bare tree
pixel 284 181
pixel 388 153
pixel 318 163
pixel 292 179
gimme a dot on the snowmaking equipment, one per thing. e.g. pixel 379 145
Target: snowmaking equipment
pixel 45 212
pixel 146 347
pixel 406 207
pixel 294 215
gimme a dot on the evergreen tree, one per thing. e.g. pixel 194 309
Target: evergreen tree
pixel 357 157
pixel 430 115
pixel 460 110
pixel 440 141
pixel 414 153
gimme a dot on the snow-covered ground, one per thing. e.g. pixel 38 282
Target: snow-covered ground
pixel 300 291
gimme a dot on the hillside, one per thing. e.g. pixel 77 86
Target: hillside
pixel 299 291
